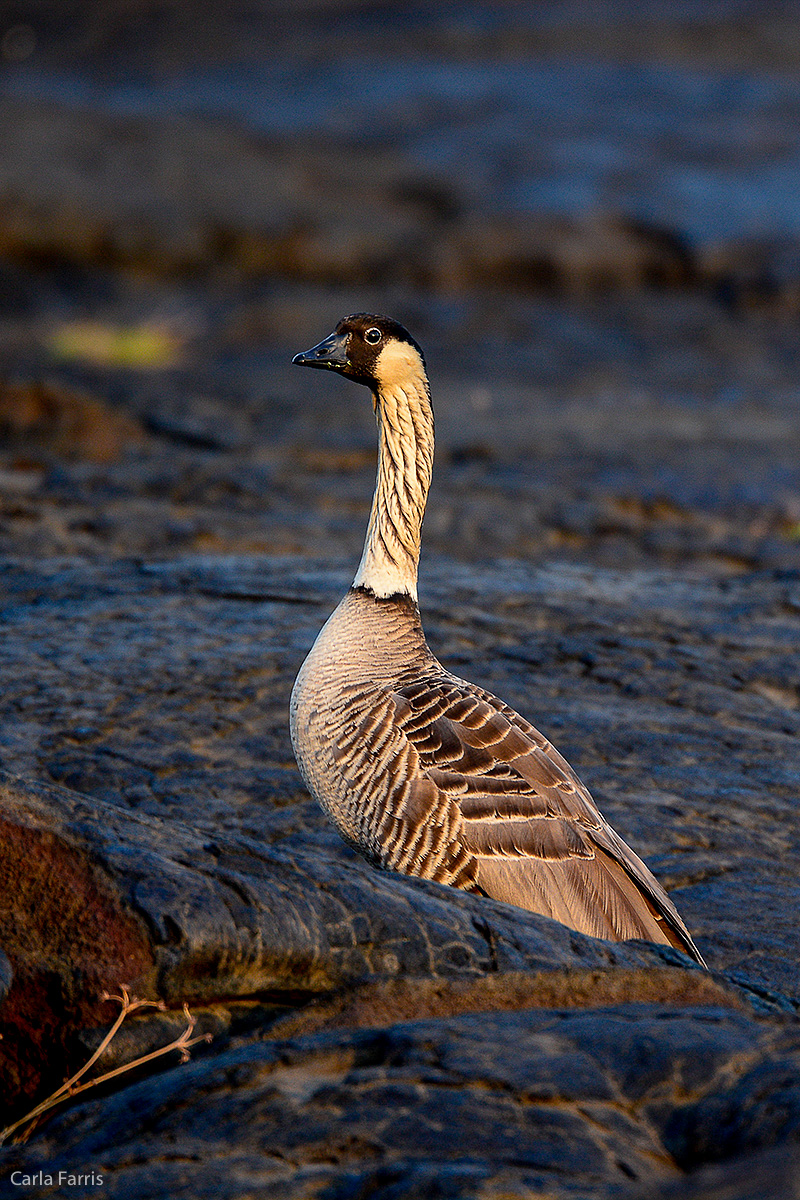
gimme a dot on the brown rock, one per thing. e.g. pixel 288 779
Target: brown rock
pixel 69 937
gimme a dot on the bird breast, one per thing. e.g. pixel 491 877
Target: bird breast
pixel 341 702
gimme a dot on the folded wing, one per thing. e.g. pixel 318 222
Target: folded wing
pixel 536 837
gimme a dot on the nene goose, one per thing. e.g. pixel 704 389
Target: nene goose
pixel 423 772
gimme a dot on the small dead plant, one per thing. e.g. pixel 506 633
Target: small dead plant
pixel 73 1086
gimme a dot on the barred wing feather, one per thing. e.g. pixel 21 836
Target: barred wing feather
pixel 537 838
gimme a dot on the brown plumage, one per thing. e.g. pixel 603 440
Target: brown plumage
pixel 421 771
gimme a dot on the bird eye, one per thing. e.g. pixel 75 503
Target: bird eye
pixel 373 335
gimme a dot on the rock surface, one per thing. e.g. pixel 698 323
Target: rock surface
pixel 524 146
pixel 194 861
pixel 559 1103
pixel 592 227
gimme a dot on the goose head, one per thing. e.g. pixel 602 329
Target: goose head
pixel 376 351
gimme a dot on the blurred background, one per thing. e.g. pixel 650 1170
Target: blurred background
pixel 588 213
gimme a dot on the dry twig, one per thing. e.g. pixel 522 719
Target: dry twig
pixel 73 1086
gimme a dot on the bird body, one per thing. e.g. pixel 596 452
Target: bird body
pixel 424 772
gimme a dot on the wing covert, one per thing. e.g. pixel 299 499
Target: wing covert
pixel 537 836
